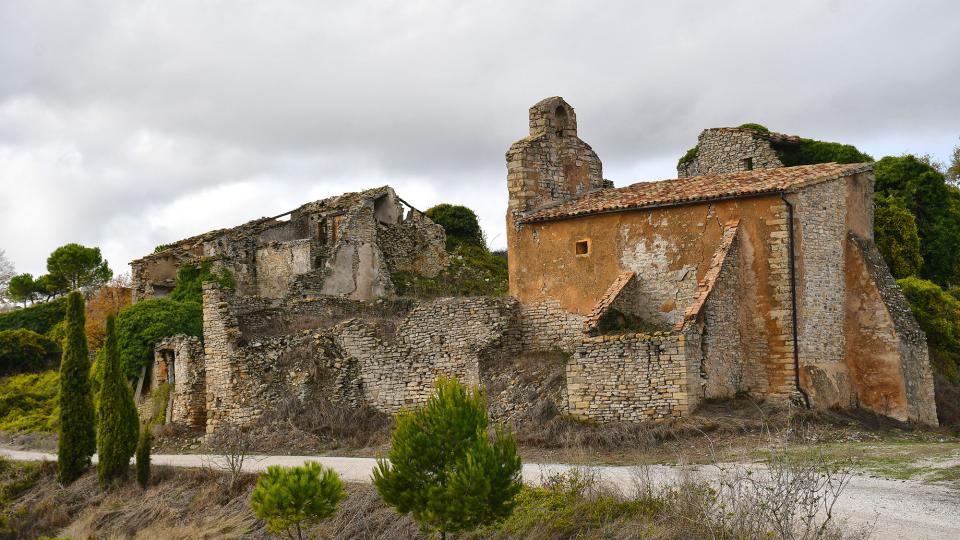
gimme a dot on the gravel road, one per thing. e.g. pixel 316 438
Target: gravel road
pixel 902 509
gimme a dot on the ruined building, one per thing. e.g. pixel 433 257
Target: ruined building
pixel 627 304
pixel 344 246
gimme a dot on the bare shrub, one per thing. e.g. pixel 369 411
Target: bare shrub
pixel 791 496
pixel 232 446
pixel 328 422
pixel 364 516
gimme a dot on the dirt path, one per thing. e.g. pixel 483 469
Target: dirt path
pixel 902 509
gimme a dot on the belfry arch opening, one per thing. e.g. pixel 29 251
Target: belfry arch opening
pixel 560 116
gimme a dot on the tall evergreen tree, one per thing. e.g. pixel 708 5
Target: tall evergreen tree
pixel 118 426
pixel 77 436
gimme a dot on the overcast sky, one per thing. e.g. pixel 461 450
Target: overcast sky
pixel 129 124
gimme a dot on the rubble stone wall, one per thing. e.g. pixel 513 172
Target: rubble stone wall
pixel 724 150
pixel 632 377
pixel 444 337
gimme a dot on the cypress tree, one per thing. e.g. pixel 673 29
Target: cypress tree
pixel 77 438
pixel 143 456
pixel 117 421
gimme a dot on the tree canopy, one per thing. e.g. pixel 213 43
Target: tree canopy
pixel 22 288
pixel 145 323
pixel 936 207
pixel 79 267
pixel 6 272
pixel 895 230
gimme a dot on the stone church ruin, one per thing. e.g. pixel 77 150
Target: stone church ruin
pixel 626 304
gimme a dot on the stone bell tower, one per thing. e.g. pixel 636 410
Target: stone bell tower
pixel 549 166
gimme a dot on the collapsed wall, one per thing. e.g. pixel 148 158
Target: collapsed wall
pixel 388 354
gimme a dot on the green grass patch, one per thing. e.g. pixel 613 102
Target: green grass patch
pixel 29 402
pixel 945 474
pixel 473 271
pixel 572 505
pixel 900 460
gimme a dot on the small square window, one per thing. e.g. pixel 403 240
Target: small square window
pixel 583 247
pixel 748 164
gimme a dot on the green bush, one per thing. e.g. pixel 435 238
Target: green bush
pixel 895 230
pixel 76 442
pixel 473 271
pixel 444 469
pixel 28 403
pixel 191 277
pixel 40 317
pixel 143 324
pixel 25 351
pixel 118 427
pixel 754 127
pixel 689 156
pixel 571 504
pixel 287 497
pixel 938 313
pixel 459 223
pixel 809 151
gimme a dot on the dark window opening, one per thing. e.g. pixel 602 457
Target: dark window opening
pixel 561 120
pixel 748 164
pixel 583 247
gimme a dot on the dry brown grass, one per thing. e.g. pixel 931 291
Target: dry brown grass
pixel 178 503
pixel 322 425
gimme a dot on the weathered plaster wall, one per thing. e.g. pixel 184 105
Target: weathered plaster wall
pixel 669 250
pixel 278 263
pixel 886 351
pixel 723 150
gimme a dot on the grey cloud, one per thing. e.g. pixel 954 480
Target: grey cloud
pixel 113 113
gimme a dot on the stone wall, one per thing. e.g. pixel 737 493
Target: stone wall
pixel 443 337
pixel 179 361
pixel 278 263
pixel 546 326
pixel 723 150
pixel 722 345
pixel 632 377
pixel 820 236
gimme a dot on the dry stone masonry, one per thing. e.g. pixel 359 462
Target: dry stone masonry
pixel 740 276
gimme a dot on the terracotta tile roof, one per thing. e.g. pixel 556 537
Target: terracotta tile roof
pixel 697 189
pixel 606 301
